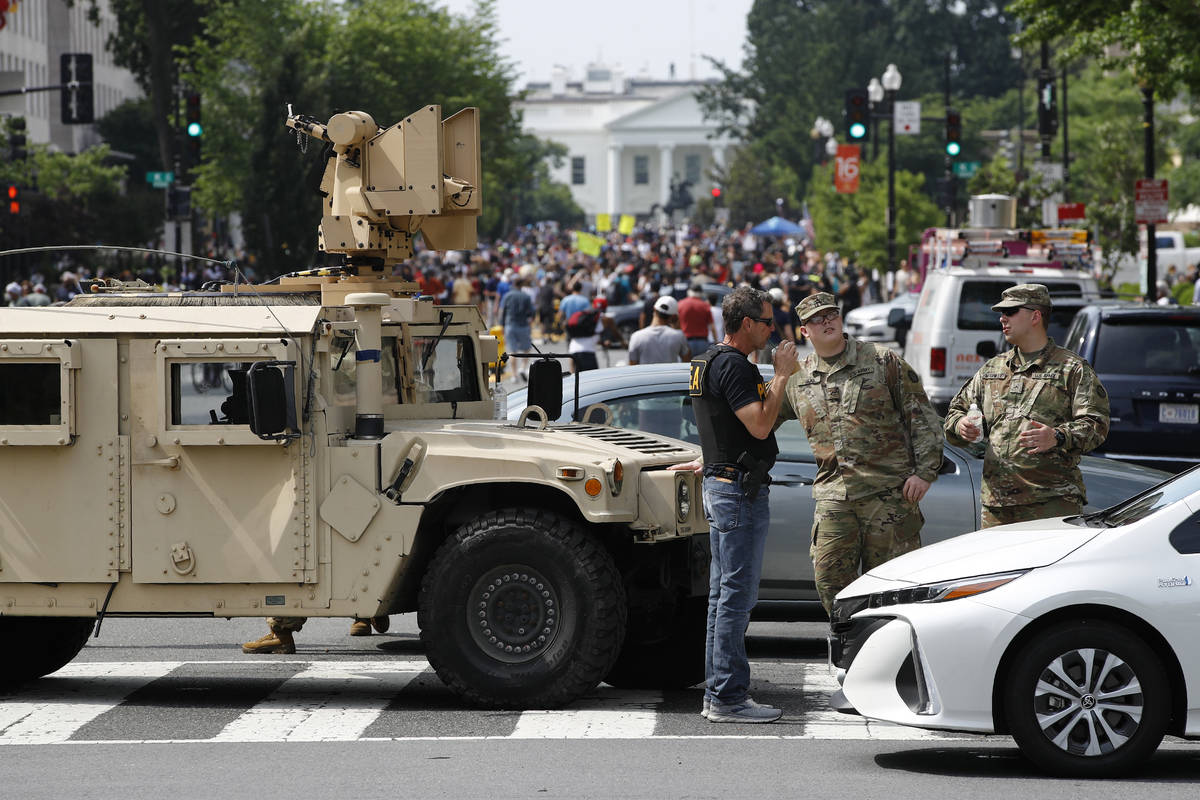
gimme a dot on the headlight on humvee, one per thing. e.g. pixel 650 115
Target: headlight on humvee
pixel 683 498
pixel 615 472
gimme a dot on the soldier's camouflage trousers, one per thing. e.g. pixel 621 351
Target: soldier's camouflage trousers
pixel 849 534
pixel 992 516
pixel 288 624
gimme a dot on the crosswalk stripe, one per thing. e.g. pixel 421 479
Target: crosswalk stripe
pixel 344 700
pixel 603 715
pixel 323 703
pixel 49 715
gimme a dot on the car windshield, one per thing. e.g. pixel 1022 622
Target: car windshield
pixel 1158 345
pixel 1143 505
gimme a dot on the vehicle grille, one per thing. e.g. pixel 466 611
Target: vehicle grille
pixel 625 438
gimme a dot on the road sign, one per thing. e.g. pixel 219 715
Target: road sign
pixel 160 180
pixel 845 176
pixel 966 169
pixel 1068 211
pixel 907 117
pixel 1150 201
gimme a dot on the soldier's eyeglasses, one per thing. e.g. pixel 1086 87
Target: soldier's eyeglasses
pixel 821 320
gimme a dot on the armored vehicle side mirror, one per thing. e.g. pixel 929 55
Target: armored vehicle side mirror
pixel 895 317
pixel 545 387
pixel 986 348
pixel 272 399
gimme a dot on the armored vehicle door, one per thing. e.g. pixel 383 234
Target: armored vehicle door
pixel 212 502
pixel 62 493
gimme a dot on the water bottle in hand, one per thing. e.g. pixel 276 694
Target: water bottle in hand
pixel 975 417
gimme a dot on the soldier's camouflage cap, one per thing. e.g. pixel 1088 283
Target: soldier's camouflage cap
pixel 1025 294
pixel 813 304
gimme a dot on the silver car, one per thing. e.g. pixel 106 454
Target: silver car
pixel 870 322
pixel 653 398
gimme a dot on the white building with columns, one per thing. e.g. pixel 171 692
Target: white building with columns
pixel 626 139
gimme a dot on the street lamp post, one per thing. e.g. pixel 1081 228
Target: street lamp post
pixel 822 129
pixel 875 96
pixel 891 85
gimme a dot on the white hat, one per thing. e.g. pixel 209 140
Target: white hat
pixel 13 288
pixel 668 306
pixel 776 293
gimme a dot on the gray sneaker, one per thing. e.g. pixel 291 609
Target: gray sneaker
pixel 706 705
pixel 745 711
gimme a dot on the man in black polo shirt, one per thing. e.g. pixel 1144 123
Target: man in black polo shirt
pixel 735 413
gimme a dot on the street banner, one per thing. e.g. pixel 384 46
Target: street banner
pixel 603 222
pixel 845 172
pixel 907 117
pixel 625 224
pixel 588 244
pixel 1150 201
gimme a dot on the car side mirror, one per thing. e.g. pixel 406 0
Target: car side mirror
pixel 545 387
pixel 272 400
pixel 986 348
pixel 895 317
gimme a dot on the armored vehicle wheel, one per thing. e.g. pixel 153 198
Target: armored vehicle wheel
pixel 663 650
pixel 521 609
pixel 37 646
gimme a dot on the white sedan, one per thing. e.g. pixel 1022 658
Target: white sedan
pixel 1078 636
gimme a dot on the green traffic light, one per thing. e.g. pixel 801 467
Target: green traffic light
pixel 953 148
pixel 858 130
pixel 194 129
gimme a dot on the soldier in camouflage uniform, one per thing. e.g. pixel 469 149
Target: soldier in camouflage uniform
pixel 1043 408
pixel 877 443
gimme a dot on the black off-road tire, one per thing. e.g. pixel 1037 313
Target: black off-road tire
pixel 37 646
pixel 1041 707
pixel 663 652
pixel 521 609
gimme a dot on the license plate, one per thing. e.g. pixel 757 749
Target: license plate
pixel 1179 413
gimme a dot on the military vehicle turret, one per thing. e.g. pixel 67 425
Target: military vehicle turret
pixel 323 445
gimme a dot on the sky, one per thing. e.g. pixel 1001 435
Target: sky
pixel 637 35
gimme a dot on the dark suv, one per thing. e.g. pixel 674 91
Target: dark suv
pixel 1148 358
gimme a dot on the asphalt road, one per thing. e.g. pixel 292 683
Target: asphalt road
pixel 172 708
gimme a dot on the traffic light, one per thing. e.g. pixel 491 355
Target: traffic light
pixel 193 128
pixel 16 139
pixel 953 132
pixel 718 196
pixel 179 202
pixel 1047 109
pixel 14 199
pixel 857 114
pixel 77 102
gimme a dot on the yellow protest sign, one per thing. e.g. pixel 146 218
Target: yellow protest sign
pixel 625 225
pixel 604 222
pixel 588 244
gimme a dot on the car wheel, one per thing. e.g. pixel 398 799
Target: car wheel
pixel 664 647
pixel 37 646
pixel 521 609
pixel 1087 699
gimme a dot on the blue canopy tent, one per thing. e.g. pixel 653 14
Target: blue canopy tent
pixel 777 226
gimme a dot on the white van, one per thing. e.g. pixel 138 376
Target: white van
pixel 955 314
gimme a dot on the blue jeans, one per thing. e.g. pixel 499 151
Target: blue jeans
pixel 737 535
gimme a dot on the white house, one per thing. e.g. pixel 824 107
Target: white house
pixel 626 139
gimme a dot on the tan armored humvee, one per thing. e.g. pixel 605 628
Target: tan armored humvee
pixel 324 446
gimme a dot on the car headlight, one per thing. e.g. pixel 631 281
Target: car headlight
pixel 683 498
pixel 941 592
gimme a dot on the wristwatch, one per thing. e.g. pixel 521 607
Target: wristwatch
pixel 1059 437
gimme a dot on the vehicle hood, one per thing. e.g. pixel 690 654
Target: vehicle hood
pixel 1022 545
pixel 869 313
pixel 585 443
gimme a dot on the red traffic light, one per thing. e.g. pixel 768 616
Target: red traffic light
pixel 716 192
pixel 14 203
pixel 12 193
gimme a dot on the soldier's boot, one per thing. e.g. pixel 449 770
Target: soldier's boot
pixel 381 624
pixel 272 643
pixel 360 627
